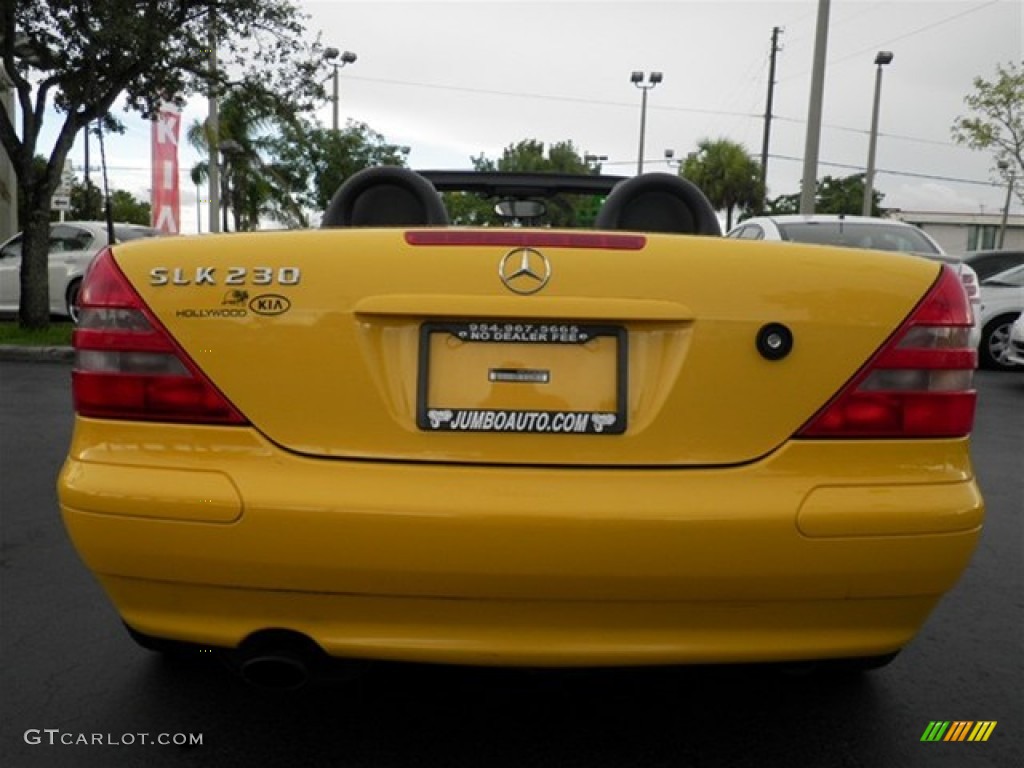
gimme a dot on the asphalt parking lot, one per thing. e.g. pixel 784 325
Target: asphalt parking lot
pixel 70 673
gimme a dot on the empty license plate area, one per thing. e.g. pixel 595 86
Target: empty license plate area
pixel 547 377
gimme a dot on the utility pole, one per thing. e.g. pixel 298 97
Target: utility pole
pixel 776 31
pixel 809 189
pixel 212 129
pixel 1005 167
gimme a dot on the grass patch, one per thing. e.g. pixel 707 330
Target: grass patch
pixel 58 334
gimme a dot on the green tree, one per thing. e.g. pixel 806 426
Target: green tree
pixel 308 163
pixel 86 202
pixel 996 120
pixel 832 195
pixel 245 116
pixel 529 156
pixel 127 208
pixel 727 174
pixel 80 57
pixel 283 166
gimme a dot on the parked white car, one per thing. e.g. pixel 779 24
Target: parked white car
pixel 862 232
pixel 1015 354
pixel 1002 301
pixel 72 246
pixel 990 263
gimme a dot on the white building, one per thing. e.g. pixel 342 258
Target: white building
pixel 960 232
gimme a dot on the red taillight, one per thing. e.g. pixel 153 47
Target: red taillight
pixel 127 366
pixel 920 384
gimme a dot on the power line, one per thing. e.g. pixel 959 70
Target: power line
pixel 875 46
pixel 910 174
pixel 912 33
pixel 548 97
pixel 901 137
pixel 185 172
pixel 630 105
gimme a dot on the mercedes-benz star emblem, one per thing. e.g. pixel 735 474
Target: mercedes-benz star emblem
pixel 524 270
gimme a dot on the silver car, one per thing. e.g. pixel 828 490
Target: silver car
pixel 1002 301
pixel 72 246
pixel 1015 351
pixel 862 232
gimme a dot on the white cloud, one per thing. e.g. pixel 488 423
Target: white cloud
pixel 938 197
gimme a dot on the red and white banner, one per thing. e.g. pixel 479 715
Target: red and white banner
pixel 166 209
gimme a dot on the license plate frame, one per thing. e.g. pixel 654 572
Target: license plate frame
pixel 439 417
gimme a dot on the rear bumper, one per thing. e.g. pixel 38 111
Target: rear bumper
pixel 527 633
pixel 820 550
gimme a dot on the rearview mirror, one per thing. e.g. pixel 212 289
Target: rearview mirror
pixel 520 209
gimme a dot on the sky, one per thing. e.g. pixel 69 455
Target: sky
pixel 452 80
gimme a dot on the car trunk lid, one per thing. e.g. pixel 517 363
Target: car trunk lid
pixel 524 346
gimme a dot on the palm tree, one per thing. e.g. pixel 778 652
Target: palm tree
pixel 729 176
pixel 248 187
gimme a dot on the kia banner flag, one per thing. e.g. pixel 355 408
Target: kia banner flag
pixel 166 211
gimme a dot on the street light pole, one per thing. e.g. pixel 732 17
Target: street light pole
pixel 883 58
pixel 589 158
pixel 637 79
pixel 346 57
pixel 334 100
pixel 1004 166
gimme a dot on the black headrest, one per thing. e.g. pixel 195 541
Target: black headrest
pixel 385 196
pixel 658 202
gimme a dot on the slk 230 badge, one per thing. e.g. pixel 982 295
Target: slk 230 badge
pixel 227 276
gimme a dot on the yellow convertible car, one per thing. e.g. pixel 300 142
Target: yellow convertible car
pixel 520 443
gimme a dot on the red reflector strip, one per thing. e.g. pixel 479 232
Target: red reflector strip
pixel 897 414
pixel 143 397
pixel 526 239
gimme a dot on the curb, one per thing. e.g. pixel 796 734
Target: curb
pixel 18 353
